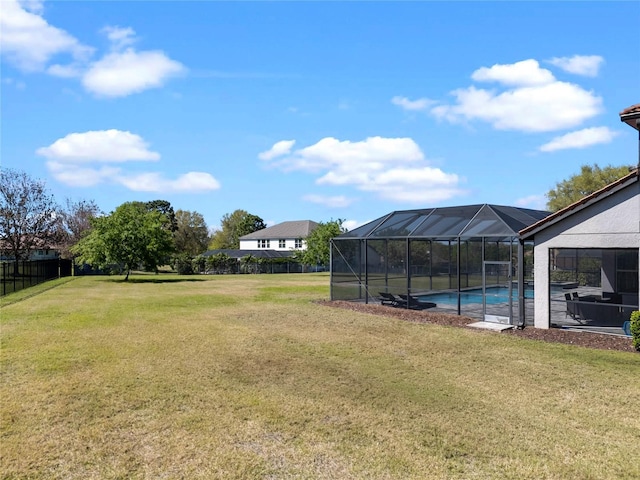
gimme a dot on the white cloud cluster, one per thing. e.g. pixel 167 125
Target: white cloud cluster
pixel 535 202
pixel 587 65
pixel 532 100
pixel 119 74
pixel 99 146
pixel 392 168
pixel 586 137
pixel 87 159
pixel 339 201
pixel 119 37
pixel 31 44
pixel 412 105
pixel 280 148
pixel 526 72
pixel 351 224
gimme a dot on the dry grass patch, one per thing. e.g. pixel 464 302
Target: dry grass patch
pixel 246 377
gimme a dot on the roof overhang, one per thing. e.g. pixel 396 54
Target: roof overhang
pixel 560 215
pixel 631 116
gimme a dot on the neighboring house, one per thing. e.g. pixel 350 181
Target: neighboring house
pixel 272 249
pixel 285 236
pixel 601 232
pixel 43 252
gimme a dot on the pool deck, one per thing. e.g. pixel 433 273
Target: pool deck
pixel 559 317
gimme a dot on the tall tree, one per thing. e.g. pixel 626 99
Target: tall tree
pixel 166 209
pixel 318 243
pixel 576 187
pixel 27 214
pixel 74 223
pixel 234 226
pixel 131 236
pixel 192 235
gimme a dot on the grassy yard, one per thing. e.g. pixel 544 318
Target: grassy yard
pixel 243 377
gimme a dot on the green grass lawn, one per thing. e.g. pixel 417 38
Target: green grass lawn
pixel 244 376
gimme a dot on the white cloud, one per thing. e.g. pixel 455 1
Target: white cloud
pixel 86 159
pixel 33 6
pixel 537 104
pixel 29 42
pixel 119 74
pixel 280 148
pixel 80 176
pixel 351 224
pixel 191 182
pixel 71 70
pixel 535 202
pixel 119 37
pixel 580 139
pixel 392 168
pixel 526 72
pixel 339 201
pixel 587 65
pixel 99 146
pixel 412 105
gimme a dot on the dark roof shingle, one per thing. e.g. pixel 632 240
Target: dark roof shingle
pixel 291 229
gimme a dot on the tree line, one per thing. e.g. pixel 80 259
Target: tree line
pixel 150 234
pixel 135 235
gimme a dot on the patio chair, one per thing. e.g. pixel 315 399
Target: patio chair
pixel 626 328
pixel 572 307
pixel 415 303
pixel 388 299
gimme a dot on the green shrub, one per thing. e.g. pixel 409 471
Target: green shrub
pixel 182 264
pixel 635 329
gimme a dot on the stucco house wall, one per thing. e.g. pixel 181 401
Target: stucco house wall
pixel 609 222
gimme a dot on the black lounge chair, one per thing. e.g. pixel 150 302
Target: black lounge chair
pixel 388 299
pixel 572 307
pixel 414 303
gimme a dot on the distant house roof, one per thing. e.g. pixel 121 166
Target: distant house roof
pixel 581 204
pixel 631 115
pixel 292 229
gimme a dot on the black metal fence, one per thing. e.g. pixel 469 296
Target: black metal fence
pixel 15 276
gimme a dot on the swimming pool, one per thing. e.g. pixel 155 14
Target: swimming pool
pixel 495 296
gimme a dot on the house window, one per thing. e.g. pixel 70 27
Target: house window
pixel 298 243
pixel 282 243
pixel 263 243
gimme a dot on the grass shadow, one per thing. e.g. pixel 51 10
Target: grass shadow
pixel 155 280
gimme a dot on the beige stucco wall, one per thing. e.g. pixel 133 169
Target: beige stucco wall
pixel 613 222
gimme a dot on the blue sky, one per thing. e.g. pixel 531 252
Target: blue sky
pixel 315 110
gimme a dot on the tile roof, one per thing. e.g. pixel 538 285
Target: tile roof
pixel 631 116
pixel 292 229
pixel 632 109
pixel 580 204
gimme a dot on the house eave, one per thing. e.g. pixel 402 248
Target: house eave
pixel 631 116
pixel 580 205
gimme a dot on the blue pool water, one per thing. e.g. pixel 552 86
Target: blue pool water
pixel 495 295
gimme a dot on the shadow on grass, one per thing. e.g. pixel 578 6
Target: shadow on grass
pixel 155 280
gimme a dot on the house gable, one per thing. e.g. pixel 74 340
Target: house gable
pixel 612 220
